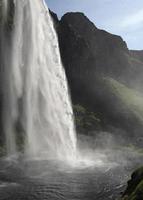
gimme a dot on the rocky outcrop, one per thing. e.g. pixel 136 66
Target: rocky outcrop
pixel 88 49
pixel 134 190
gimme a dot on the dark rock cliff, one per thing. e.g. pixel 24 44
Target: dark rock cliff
pixel 93 47
pixel 88 49
pixel 92 59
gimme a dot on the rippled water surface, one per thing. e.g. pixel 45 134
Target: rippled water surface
pixel 53 180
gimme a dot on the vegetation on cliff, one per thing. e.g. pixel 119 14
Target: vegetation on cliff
pixel 130 97
pixel 85 120
pixel 134 190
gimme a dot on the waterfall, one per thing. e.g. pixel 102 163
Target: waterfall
pixel 36 100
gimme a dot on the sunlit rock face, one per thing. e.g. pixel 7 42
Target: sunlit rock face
pixel 36 101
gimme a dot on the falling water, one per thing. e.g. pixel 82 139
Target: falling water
pixel 35 87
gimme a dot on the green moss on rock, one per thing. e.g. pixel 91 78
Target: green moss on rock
pixel 85 120
pixel 134 190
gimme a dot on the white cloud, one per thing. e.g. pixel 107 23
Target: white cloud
pixel 132 19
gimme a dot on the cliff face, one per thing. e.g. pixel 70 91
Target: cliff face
pixel 86 48
pixel 101 72
pixel 91 49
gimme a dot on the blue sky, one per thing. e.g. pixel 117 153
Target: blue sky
pixel 121 17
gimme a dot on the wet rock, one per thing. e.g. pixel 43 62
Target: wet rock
pixel 134 190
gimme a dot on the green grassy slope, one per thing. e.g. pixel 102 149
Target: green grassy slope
pixel 131 98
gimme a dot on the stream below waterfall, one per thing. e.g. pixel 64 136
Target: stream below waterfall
pixel 54 180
